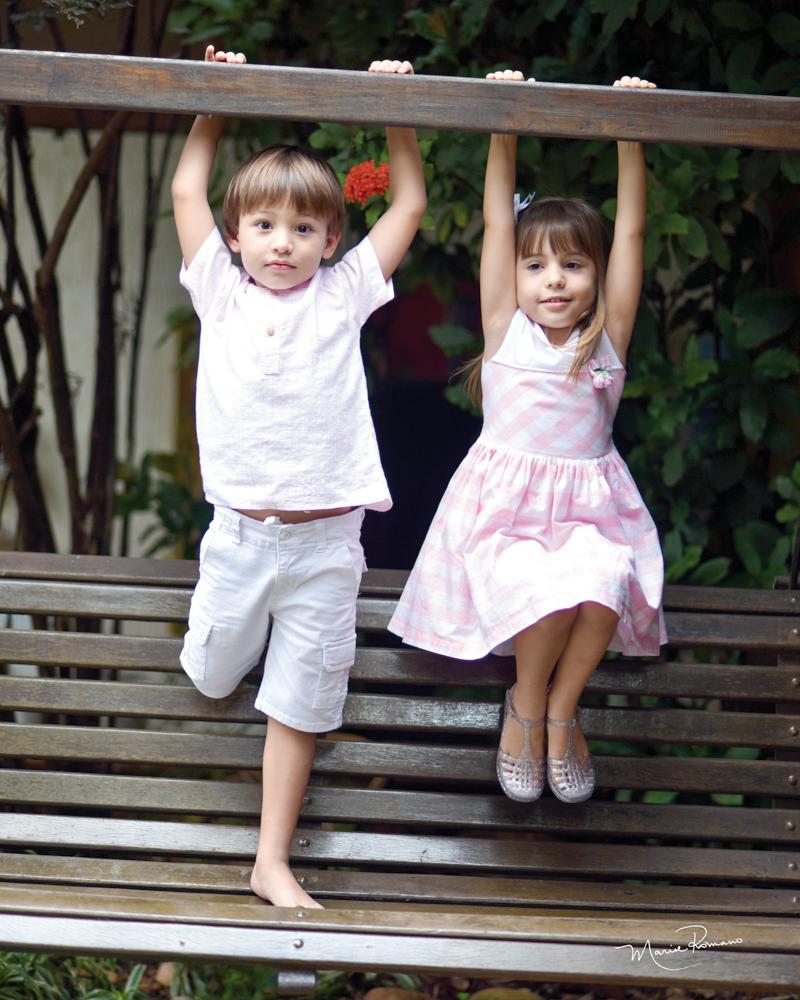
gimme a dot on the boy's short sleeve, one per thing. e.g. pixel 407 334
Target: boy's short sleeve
pixel 211 274
pixel 363 279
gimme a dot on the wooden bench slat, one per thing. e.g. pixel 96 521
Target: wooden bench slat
pixel 406 887
pixel 330 950
pixel 415 667
pixel 396 712
pixel 509 923
pixel 392 760
pixel 84 600
pixel 82 649
pixel 402 850
pixel 481 812
pixel 387 583
pixel 772 633
pixel 775 633
pixel 129 570
pixel 299 94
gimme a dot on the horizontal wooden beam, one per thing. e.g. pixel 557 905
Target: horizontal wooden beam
pixel 426 102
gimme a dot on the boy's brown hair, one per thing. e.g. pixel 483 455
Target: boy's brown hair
pixel 284 173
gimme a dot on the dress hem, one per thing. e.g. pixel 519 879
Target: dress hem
pixel 504 632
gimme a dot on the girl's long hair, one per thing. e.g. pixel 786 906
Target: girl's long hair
pixel 568 225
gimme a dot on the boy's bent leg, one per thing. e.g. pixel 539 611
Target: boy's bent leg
pixel 288 754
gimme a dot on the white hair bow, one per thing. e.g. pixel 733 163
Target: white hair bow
pixel 520 204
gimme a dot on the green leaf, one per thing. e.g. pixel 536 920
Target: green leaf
pixel 742 62
pixel 696 370
pixel 673 223
pixel 711 572
pixel 735 14
pixel 659 797
pixel 742 753
pixel 672 467
pixel 717 245
pixel 654 10
pixel 790 167
pixel 696 243
pixel 688 561
pixel 753 415
pixel 753 543
pixel 727 798
pixel 728 167
pixel 785 29
pixel 776 363
pixel 550 9
pixel 781 76
pixel 454 340
pixel 765 314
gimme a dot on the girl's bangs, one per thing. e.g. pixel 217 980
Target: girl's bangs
pixel 564 236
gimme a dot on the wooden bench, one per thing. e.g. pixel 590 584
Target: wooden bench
pixel 129 802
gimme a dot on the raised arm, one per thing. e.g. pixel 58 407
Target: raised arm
pixel 498 253
pixel 623 285
pixel 193 217
pixel 392 234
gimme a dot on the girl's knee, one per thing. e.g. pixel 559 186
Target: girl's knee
pixel 557 623
pixel 592 613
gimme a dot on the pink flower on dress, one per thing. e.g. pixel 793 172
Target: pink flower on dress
pixel 600 369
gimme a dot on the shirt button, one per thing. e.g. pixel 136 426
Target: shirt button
pixel 270 331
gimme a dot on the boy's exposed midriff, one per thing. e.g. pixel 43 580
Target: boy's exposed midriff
pixel 295 516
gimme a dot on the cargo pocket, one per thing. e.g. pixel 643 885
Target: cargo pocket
pixel 194 655
pixel 337 659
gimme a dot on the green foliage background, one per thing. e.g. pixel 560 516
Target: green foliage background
pixel 711 413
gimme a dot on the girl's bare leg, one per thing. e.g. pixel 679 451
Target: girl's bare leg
pixel 591 632
pixel 288 755
pixel 537 650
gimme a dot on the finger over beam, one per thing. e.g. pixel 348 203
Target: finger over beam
pixel 426 102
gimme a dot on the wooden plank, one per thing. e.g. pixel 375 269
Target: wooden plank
pixel 428 102
pixel 464 810
pixel 391 760
pixel 87 650
pixel 772 633
pixel 523 855
pixel 485 957
pixel 92 569
pixel 414 667
pixel 97 600
pixel 375 582
pixel 408 887
pixel 397 713
pixel 510 924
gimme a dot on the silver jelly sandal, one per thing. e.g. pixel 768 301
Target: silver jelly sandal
pixel 571 778
pixel 522 777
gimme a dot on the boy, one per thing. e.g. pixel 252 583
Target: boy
pixel 287 448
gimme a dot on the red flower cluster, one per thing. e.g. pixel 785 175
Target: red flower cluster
pixel 364 180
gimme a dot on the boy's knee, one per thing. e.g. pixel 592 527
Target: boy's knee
pixel 215 686
pixel 215 672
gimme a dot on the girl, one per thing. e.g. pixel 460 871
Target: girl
pixel 542 543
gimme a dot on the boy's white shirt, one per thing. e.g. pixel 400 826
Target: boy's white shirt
pixel 283 419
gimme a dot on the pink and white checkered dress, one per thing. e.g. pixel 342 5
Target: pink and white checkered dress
pixel 541 515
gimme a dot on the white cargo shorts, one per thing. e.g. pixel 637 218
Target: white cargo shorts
pixel 296 583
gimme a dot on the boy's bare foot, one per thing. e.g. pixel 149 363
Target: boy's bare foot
pixel 277 885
